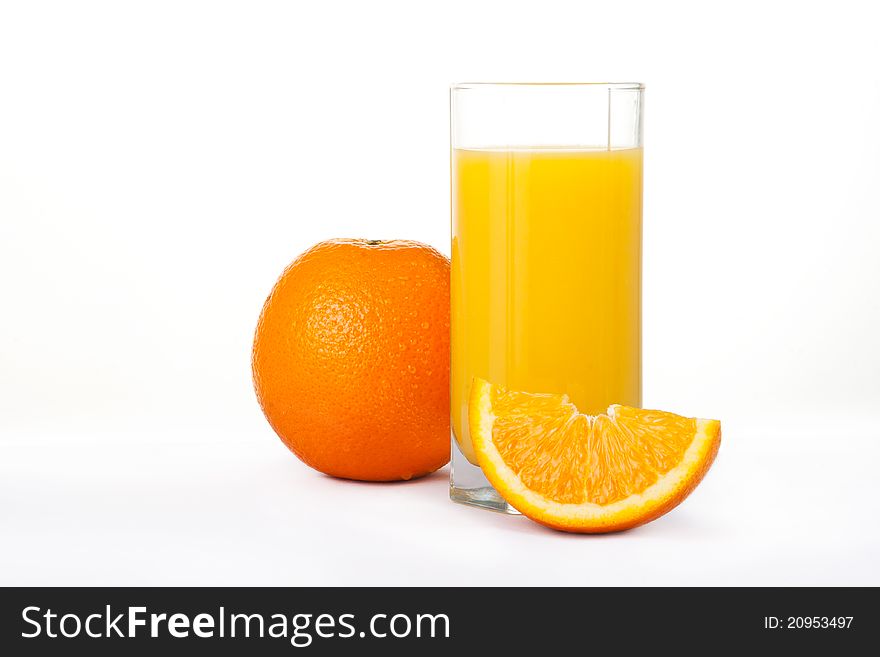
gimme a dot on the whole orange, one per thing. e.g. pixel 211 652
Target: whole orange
pixel 351 359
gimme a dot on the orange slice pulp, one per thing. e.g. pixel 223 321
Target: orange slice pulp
pixel 587 473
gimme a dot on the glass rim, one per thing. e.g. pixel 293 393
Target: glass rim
pixel 623 86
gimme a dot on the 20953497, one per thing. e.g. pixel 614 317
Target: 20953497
pixel 808 622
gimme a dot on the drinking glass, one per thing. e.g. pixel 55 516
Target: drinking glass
pixel 546 250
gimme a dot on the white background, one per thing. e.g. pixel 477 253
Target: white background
pixel 161 162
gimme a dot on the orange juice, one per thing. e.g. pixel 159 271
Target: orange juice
pixel 546 275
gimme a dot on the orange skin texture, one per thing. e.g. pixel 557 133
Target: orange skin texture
pixel 351 359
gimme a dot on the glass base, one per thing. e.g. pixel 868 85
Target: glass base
pixel 468 485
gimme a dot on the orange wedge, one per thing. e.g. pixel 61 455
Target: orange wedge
pixel 587 473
